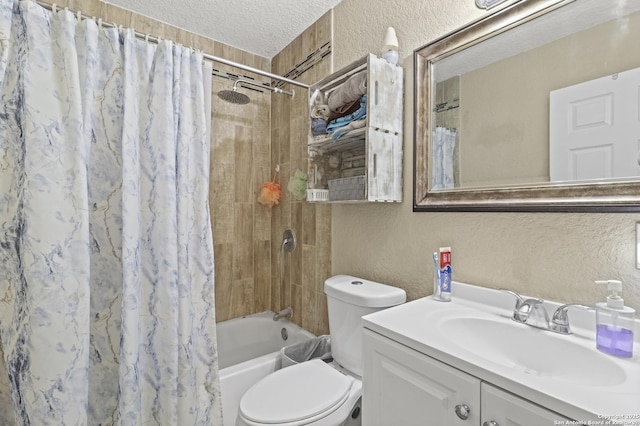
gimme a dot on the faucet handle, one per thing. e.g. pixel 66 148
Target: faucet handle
pixel 560 318
pixel 532 312
pixel 519 299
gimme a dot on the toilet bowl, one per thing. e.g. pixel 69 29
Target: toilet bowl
pixel 318 393
pixel 310 393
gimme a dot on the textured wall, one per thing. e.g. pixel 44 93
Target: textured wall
pixel 306 268
pixel 554 256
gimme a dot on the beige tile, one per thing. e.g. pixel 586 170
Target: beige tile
pixel 262 145
pixel 201 43
pixel 223 258
pixel 296 256
pixel 321 325
pixel 309 268
pixel 323 267
pixel 262 221
pixel 116 15
pixel 224 134
pixel 242 298
pixel 296 304
pixel 244 184
pixel 284 143
pixel 323 226
pixel 275 147
pixel 223 222
pixel 298 137
pixel 285 205
pixel 286 283
pixel 309 224
pixel 262 275
pixel 309 308
pixel 87 7
pixel 323 29
pixel 243 244
pixel 222 178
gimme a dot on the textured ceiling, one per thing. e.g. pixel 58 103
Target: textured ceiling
pixel 262 27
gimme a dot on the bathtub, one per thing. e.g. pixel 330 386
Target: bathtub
pixel 248 350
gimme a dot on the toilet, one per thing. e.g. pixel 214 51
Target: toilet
pixel 318 393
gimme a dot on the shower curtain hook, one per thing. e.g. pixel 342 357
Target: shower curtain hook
pixel 99 22
pixel 54 8
pixel 146 38
pixel 277 168
pixel 79 16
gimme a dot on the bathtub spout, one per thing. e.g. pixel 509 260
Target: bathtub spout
pixel 285 313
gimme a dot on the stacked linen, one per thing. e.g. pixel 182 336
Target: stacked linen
pixel 351 90
pixel 340 122
pixel 345 110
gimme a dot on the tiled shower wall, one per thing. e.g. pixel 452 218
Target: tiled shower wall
pixel 240 162
pixel 306 268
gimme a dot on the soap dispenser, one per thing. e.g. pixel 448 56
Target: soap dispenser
pixel 614 322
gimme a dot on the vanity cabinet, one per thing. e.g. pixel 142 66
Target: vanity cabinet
pixel 404 386
pixel 362 161
pixel 504 408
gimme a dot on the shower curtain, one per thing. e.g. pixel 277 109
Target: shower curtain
pixel 444 142
pixel 106 255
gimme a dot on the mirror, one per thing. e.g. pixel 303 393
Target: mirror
pixel 535 107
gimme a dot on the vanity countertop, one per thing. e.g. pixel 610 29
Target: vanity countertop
pixel 563 373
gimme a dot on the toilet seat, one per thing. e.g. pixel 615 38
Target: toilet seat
pixel 294 395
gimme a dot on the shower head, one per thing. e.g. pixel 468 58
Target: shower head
pixel 233 95
pixel 236 97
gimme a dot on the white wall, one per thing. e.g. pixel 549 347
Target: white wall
pixel 555 256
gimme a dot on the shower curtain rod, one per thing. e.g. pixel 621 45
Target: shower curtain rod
pixel 154 39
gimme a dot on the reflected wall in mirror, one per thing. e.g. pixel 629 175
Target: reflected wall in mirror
pixel 535 107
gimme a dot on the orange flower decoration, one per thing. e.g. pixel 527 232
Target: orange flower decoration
pixel 271 192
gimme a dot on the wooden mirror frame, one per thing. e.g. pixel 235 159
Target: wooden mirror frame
pixel 544 197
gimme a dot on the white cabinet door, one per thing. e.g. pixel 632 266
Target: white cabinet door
pixel 404 387
pixel 384 166
pixel 506 409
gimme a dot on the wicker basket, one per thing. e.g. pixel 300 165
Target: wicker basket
pixel 351 188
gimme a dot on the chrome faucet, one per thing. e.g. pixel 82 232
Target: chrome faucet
pixel 529 311
pixel 533 313
pixel 560 318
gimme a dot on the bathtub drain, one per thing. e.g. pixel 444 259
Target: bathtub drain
pixel 284 334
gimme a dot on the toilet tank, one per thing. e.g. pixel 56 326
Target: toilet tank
pixel 348 299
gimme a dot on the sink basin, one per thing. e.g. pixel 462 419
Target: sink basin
pixel 532 351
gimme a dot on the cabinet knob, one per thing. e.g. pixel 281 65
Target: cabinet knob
pixel 462 411
pixel 490 423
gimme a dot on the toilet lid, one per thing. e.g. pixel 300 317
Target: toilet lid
pixel 296 393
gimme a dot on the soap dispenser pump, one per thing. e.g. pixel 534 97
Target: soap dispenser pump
pixel 614 322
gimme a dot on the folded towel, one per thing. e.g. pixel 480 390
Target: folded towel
pixel 346 109
pixel 358 124
pixel 318 126
pixel 351 90
pixel 320 111
pixel 343 121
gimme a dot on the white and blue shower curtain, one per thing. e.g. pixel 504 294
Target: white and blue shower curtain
pixel 106 254
pixel 444 142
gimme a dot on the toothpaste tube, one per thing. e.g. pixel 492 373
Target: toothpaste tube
pixel 445 273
